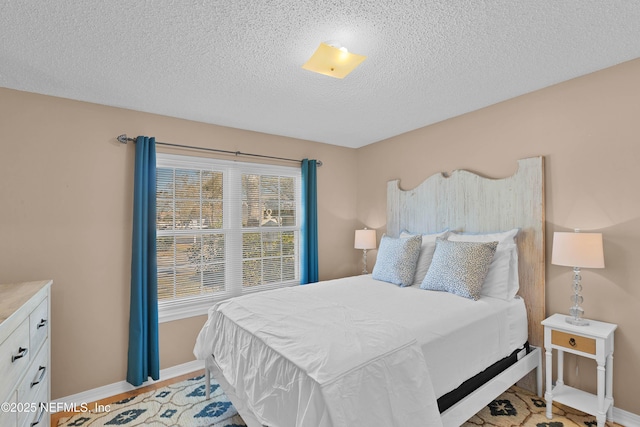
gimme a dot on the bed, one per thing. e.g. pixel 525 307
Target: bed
pixel 364 351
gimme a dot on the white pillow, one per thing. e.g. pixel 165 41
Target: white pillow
pixel 426 253
pixel 502 279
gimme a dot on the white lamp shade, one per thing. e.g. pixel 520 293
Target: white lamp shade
pixel 582 250
pixel 365 239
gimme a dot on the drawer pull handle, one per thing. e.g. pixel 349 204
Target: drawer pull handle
pixel 572 342
pixel 22 352
pixel 42 324
pixel 36 422
pixel 44 371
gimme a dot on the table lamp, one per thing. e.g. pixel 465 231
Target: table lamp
pixel 577 250
pixel 365 239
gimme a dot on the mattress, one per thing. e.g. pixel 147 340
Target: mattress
pixel 389 350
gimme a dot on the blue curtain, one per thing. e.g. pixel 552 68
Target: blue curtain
pixel 144 357
pixel 309 238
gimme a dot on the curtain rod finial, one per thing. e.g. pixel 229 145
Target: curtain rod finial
pixel 124 139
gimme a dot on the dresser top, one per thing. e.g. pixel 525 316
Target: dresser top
pixel 14 295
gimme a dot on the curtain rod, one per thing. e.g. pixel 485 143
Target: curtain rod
pixel 124 139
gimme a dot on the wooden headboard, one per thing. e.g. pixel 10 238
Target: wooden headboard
pixel 465 201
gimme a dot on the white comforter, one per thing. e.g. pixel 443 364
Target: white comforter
pixel 299 357
pixel 459 337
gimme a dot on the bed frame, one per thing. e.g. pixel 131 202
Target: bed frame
pixel 466 201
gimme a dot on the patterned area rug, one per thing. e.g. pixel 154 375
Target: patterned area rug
pixel 518 407
pixel 182 404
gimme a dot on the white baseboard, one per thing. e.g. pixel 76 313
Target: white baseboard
pixel 121 387
pixel 620 416
pixel 625 418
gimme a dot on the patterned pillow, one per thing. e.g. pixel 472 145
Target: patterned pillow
pixel 396 261
pixel 502 279
pixel 426 253
pixel 459 267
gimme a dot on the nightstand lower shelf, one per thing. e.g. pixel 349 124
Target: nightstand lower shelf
pixel 578 399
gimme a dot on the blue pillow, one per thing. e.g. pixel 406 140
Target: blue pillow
pixel 396 261
pixel 459 267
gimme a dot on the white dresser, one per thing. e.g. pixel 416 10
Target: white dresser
pixel 25 357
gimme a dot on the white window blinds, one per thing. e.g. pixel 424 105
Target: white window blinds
pixel 223 229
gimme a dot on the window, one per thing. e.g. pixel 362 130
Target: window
pixel 223 229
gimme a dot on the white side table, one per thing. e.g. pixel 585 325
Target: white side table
pixel 594 341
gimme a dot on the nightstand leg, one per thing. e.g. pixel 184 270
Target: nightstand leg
pixel 548 395
pixel 601 416
pixel 609 385
pixel 560 379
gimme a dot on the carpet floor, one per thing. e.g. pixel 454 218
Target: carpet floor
pixel 182 404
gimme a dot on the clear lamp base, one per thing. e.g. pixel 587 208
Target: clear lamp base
pixel 364 262
pixel 576 312
pixel 577 322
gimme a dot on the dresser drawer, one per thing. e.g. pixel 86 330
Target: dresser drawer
pixel 574 342
pixel 40 417
pixel 14 357
pixel 36 378
pixel 39 325
pixel 37 409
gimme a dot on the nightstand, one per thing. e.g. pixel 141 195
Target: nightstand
pixel 594 341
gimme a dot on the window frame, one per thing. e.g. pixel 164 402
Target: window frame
pixel 175 309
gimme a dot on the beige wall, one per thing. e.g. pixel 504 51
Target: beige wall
pixel 66 193
pixel 588 129
pixel 66 206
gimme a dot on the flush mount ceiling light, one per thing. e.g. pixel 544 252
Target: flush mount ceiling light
pixel 333 61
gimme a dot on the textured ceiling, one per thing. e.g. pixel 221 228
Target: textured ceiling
pixel 238 63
